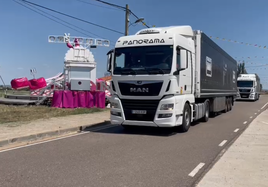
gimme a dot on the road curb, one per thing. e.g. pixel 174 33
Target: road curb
pixel 49 134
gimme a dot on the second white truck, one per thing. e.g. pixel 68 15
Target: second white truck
pixel 248 86
pixel 169 76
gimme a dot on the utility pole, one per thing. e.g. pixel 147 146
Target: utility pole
pixel 127 20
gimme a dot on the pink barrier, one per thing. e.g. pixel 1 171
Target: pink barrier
pixel 67 99
pixel 80 99
pixel 57 99
pixel 75 99
pixel 90 100
pixel 100 99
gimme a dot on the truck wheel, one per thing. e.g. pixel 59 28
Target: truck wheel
pixel 230 104
pixel 206 116
pixel 186 120
pixel 226 106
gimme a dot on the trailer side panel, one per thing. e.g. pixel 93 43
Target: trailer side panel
pixel 218 70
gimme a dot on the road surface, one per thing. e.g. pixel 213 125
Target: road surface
pixel 112 157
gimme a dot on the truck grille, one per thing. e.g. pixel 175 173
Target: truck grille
pixel 149 105
pixel 244 90
pixel 145 89
pixel 244 95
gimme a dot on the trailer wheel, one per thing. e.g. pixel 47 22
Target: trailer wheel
pixel 186 120
pixel 206 116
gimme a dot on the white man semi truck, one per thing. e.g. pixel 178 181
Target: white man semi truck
pixel 248 86
pixel 169 76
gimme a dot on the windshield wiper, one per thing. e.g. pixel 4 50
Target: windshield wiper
pixel 158 70
pixel 127 71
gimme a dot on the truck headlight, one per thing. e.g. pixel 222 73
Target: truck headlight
pixel 167 107
pixel 114 105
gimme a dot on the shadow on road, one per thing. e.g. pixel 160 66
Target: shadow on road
pixel 135 130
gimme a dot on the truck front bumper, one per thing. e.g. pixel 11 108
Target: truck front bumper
pixel 241 96
pixel 160 118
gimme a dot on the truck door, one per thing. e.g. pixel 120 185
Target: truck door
pixel 185 76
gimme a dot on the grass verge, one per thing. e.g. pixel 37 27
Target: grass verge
pixel 9 113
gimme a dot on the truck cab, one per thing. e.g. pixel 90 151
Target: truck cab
pixel 248 86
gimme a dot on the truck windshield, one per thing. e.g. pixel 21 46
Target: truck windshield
pixel 143 60
pixel 244 83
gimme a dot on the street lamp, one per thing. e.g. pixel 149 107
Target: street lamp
pixel 137 21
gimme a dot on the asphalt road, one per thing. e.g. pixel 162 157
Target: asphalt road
pixel 111 156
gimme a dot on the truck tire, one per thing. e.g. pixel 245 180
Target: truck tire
pixel 226 106
pixel 230 104
pixel 186 119
pixel 206 116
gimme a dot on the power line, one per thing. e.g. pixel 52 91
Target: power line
pixel 72 17
pixel 112 42
pixel 49 17
pixel 121 7
pixel 63 21
pixel 96 5
pixel 111 4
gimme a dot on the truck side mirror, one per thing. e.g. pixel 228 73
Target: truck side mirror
pixel 109 57
pixel 183 56
pixel 109 60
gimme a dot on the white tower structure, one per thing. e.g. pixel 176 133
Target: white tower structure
pixel 79 62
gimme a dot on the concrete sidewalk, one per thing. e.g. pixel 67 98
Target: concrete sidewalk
pixel 38 129
pixel 245 163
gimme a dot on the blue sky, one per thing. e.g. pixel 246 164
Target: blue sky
pixel 24 33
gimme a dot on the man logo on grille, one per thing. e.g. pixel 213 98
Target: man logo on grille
pixel 141 90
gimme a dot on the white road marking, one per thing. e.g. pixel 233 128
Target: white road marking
pixel 55 139
pixel 255 113
pixel 258 110
pixel 250 117
pixel 222 143
pixel 245 122
pixel 264 122
pixel 236 130
pixel 264 106
pixel 196 169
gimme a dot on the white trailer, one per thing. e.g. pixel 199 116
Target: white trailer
pixel 248 86
pixel 169 76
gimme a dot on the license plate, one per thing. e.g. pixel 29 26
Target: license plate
pixel 139 111
pixel 244 96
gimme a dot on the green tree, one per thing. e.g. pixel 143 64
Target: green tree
pixel 241 69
